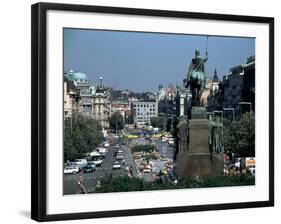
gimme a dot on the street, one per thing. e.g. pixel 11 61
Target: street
pixel 90 179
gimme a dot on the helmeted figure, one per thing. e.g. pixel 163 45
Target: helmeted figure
pixel 182 131
pixel 216 135
pixel 196 77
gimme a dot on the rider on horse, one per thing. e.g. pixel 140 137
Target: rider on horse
pixel 196 77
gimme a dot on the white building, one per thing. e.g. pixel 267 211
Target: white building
pixel 144 111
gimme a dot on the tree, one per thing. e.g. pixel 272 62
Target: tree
pixel 130 119
pixel 81 135
pixel 143 148
pixel 239 136
pixel 116 121
pixel 159 122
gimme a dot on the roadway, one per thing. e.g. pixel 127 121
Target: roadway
pixel 70 185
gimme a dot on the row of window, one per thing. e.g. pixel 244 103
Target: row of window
pixel 145 105
pixel 138 114
pixel 149 109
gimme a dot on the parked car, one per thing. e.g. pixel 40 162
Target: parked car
pixel 81 162
pixel 96 158
pixel 106 144
pixel 116 165
pixel 93 165
pixel 88 169
pixel 71 170
pixel 97 161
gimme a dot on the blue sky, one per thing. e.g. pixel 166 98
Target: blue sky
pixel 141 61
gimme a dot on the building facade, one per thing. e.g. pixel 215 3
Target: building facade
pixel 236 93
pixel 143 112
pixel 83 91
pixel 101 105
pixel 121 106
pixel 69 98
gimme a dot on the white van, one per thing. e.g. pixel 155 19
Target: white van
pixel 81 162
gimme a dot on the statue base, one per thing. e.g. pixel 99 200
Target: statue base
pixel 198 113
pixel 199 165
pixel 198 161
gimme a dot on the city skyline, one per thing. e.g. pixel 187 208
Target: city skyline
pixel 144 60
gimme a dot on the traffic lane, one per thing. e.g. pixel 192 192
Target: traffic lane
pixel 90 179
pixel 164 148
pixel 129 160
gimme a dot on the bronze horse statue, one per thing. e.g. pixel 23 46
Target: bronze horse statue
pixel 196 77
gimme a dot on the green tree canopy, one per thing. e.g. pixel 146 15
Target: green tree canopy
pixel 143 148
pixel 81 135
pixel 116 121
pixel 159 122
pixel 239 136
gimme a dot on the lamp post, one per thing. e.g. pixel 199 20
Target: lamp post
pixel 115 123
pixel 228 109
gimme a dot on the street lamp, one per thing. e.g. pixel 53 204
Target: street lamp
pixel 233 113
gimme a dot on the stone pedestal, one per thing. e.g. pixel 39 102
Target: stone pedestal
pixel 198 113
pixel 198 161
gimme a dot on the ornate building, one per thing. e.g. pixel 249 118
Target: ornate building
pixel 122 106
pixel 101 104
pixel 69 98
pixel 84 92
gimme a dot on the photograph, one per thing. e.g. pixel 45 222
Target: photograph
pixel 152 111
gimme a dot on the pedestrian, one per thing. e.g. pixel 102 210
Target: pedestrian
pixel 82 189
pixel 161 177
pixel 131 171
pixel 127 170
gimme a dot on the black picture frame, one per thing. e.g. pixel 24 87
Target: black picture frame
pixel 39 108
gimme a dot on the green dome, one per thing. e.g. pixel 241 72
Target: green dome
pixel 77 76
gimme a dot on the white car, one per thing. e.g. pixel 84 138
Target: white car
pixel 146 170
pixel 71 170
pixel 171 141
pixel 119 156
pixel 106 144
pixel 97 162
pixel 116 165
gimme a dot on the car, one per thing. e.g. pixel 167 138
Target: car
pixel 106 144
pixel 96 162
pixel 146 170
pixel 171 141
pixel 115 153
pixel 88 169
pixel 71 170
pixel 120 151
pixel 117 146
pixel 93 165
pixel 119 156
pixel 116 165
pixel 81 162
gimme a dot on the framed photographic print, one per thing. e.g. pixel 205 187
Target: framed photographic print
pixel 139 111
